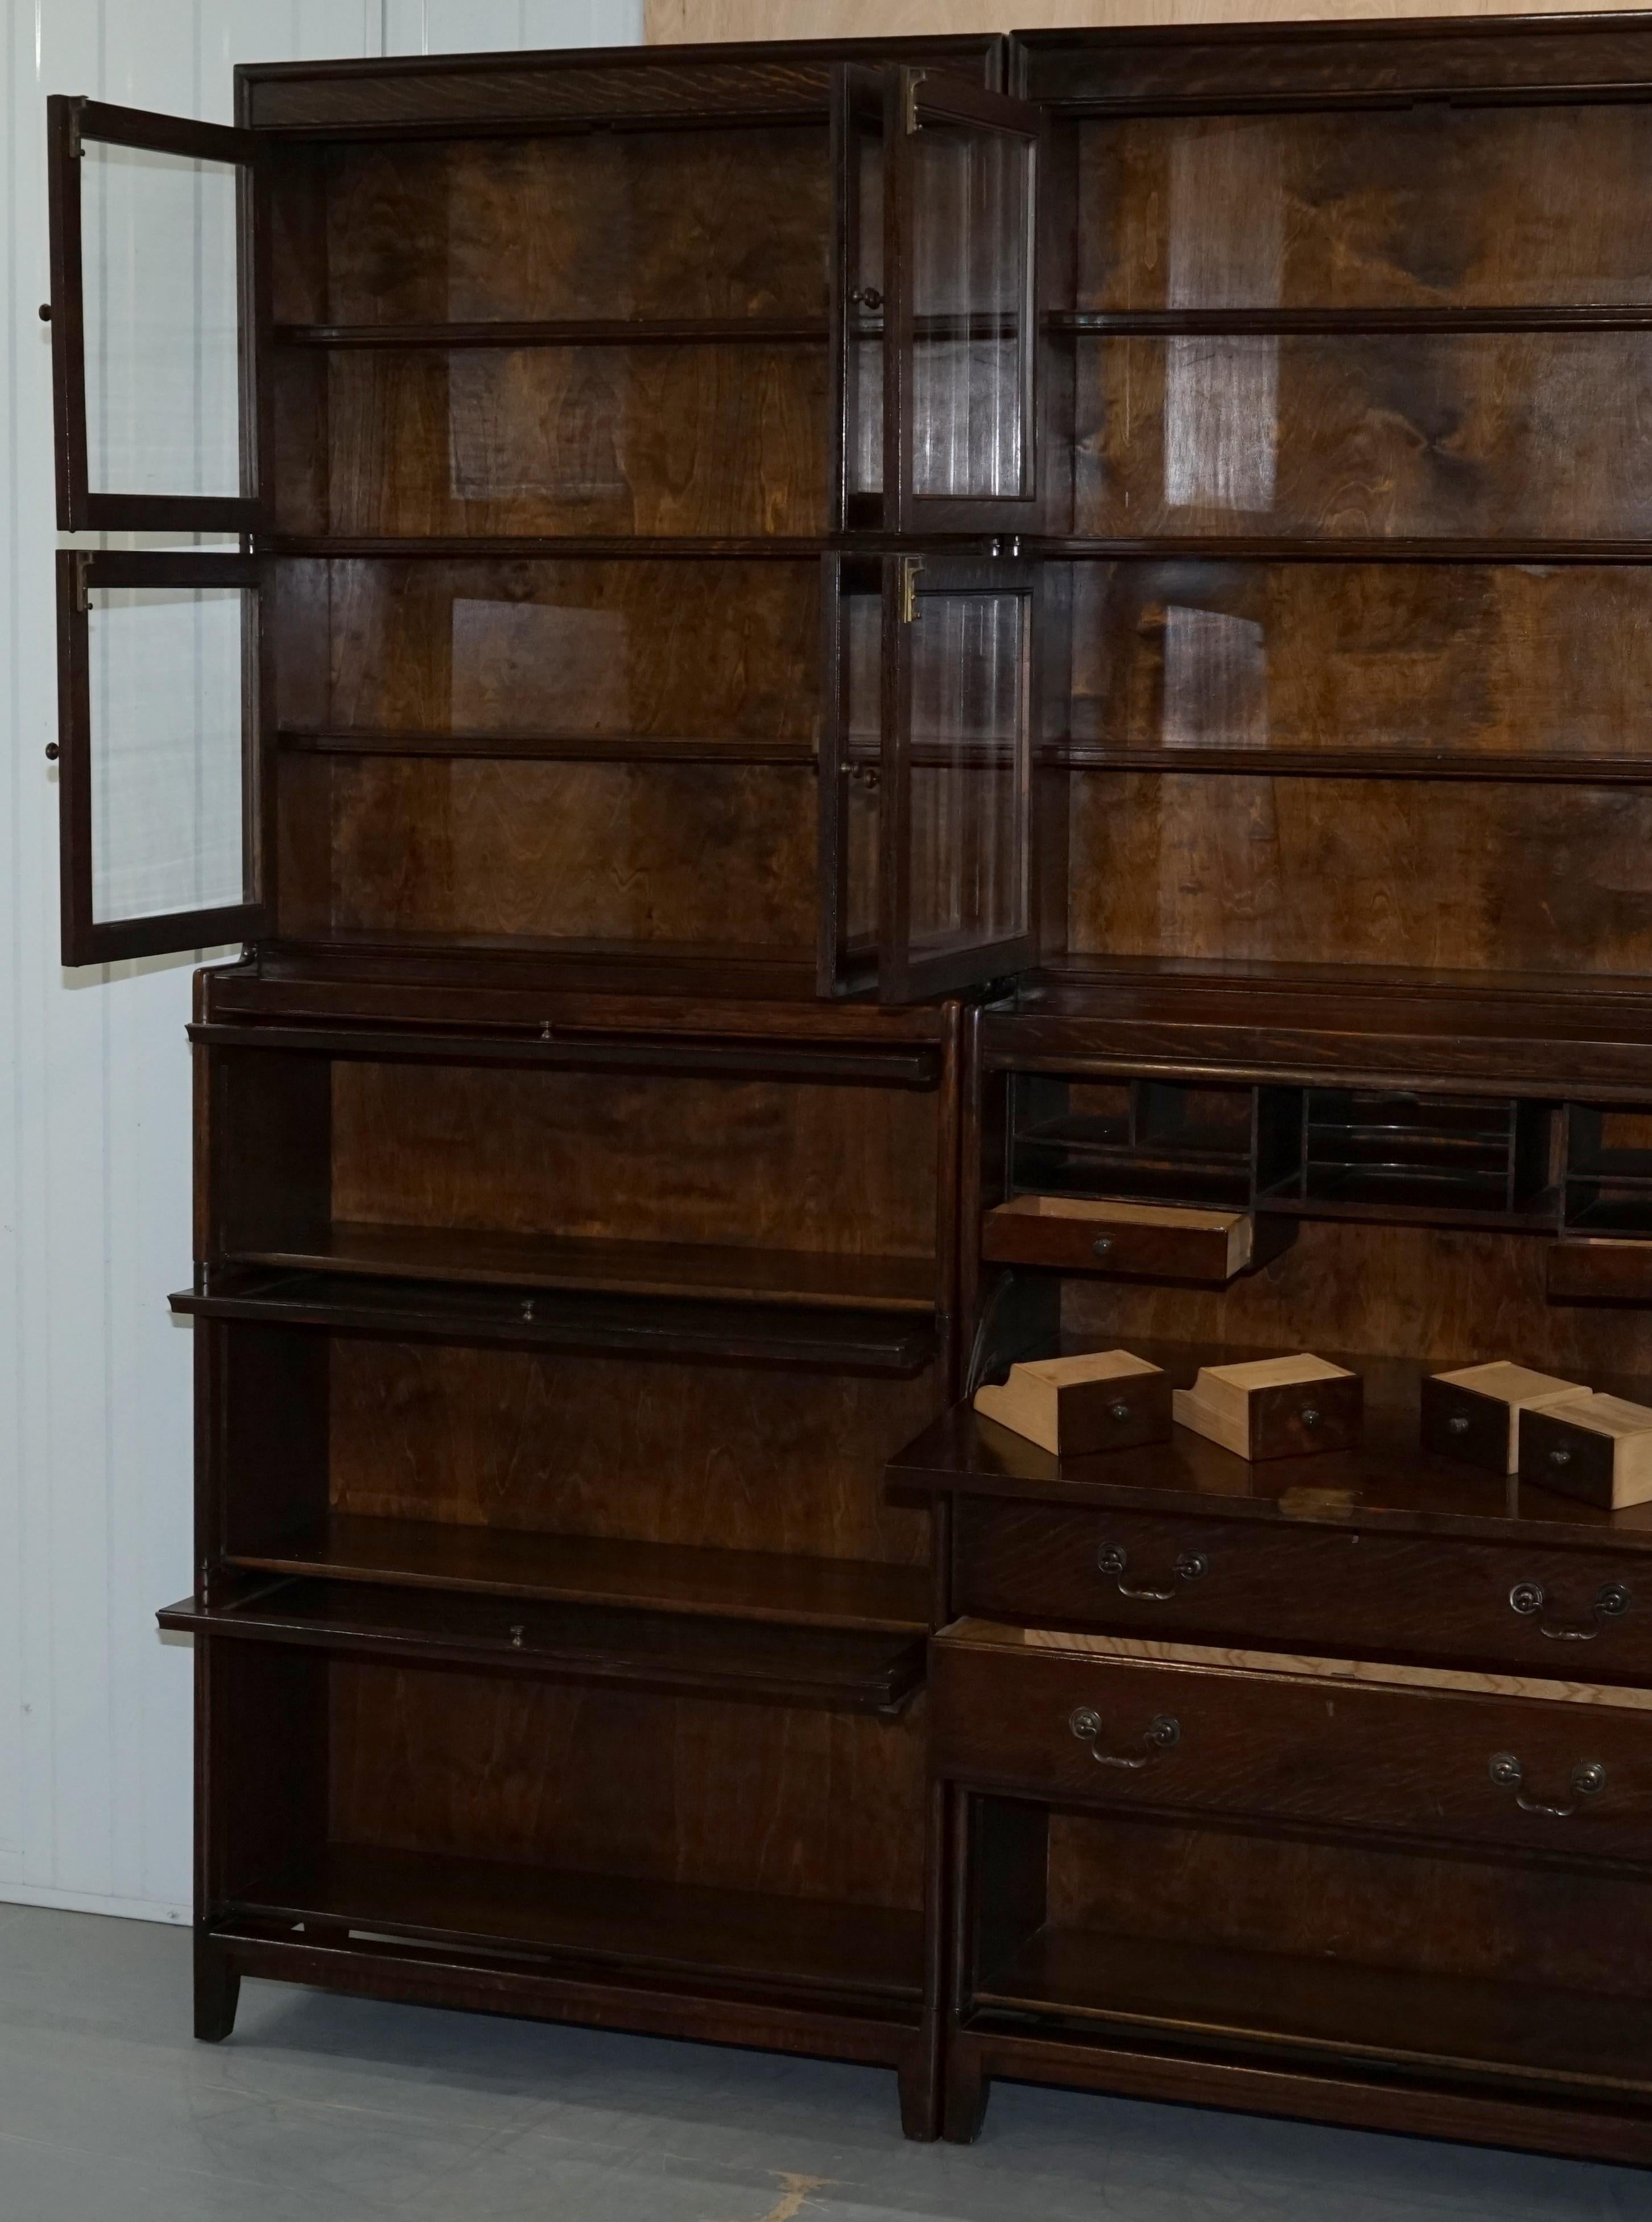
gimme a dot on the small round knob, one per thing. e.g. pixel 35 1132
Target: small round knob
pixel 1310 1415
pixel 1458 1423
pixel 1560 1455
pixel 46 312
pixel 1118 1412
pixel 1192 1565
pixel 1613 1599
pixel 1589 1778
pixel 1506 1771
pixel 867 296
pixel 52 752
pixel 1526 1597
pixel 1086 1722
pixel 1102 1244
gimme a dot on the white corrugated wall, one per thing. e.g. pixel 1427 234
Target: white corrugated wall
pixel 95 1424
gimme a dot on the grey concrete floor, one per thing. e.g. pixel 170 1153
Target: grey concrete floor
pixel 334 2110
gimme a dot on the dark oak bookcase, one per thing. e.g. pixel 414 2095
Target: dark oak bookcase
pixel 789 645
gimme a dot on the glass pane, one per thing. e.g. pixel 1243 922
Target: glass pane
pixel 163 365
pixel 1472 435
pixel 864 455
pixel 862 618
pixel 1430 208
pixel 1502 658
pixel 166 805
pixel 971 272
pixel 969 796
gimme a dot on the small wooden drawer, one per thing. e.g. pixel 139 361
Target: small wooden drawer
pixel 1498 1605
pixel 1429 1752
pixel 1162 1241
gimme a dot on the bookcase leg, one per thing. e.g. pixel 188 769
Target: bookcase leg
pixel 919 2095
pixel 967 2091
pixel 217 1991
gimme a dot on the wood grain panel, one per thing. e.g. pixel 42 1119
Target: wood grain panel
pixel 640 852
pixel 756 1164
pixel 711 1456
pixel 668 22
pixel 1501 658
pixel 1474 434
pixel 1438 1294
pixel 709 440
pixel 696 223
pixel 1361 872
pixel 1433 207
pixel 1348 1902
pixel 698 651
pixel 803 1805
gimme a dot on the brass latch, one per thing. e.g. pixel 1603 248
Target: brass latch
pixel 910 80
pixel 910 567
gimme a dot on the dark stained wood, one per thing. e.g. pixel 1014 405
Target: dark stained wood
pixel 678 1929
pixel 1367 438
pixel 847 1671
pixel 468 1558
pixel 1323 870
pixel 703 440
pixel 1334 663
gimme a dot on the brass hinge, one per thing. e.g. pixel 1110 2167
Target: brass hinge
pixel 910 567
pixel 77 110
pixel 910 80
pixel 82 587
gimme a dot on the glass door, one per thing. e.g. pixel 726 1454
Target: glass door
pixel 927 817
pixel 158 803
pixel 960 231
pixel 149 368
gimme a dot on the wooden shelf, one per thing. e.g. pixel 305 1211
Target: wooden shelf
pixel 1405 1197
pixel 621 1326
pixel 565 331
pixel 1198 1993
pixel 1353 324
pixel 669 1928
pixel 1457 765
pixel 839 1670
pixel 549 748
pixel 599 1570
pixel 1285 548
pixel 718 1273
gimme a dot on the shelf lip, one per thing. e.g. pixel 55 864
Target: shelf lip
pixel 881 1681
pixel 402 1894
pixel 551 547
pixel 1287 547
pixel 561 1048
pixel 1268 322
pixel 804 1281
pixel 1111 1981
pixel 870 1343
pixel 564 331
pixel 1445 764
pixel 552 748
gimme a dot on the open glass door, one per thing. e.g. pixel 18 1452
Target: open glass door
pixel 960 231
pixel 157 725
pixel 149 376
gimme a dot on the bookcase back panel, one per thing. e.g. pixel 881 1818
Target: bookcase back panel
pixel 1497 878
pixel 657 650
pixel 1471 434
pixel 1503 659
pixel 1441 1294
pixel 743 1797
pixel 638 852
pixel 713 223
pixel 760 1163
pixel 1432 207
pixel 1350 1902
pixel 706 1456
pixel 706 439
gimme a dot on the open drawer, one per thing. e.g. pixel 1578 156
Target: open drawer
pixel 1558 1768
pixel 1158 1240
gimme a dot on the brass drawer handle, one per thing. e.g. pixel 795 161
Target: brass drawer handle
pixel 1101 1247
pixel 1612 1602
pixel 1114 1559
pixel 1588 1780
pixel 1161 1733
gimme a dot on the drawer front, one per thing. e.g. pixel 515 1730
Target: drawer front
pixel 1568 1779
pixel 1574 1614
pixel 1084 1243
